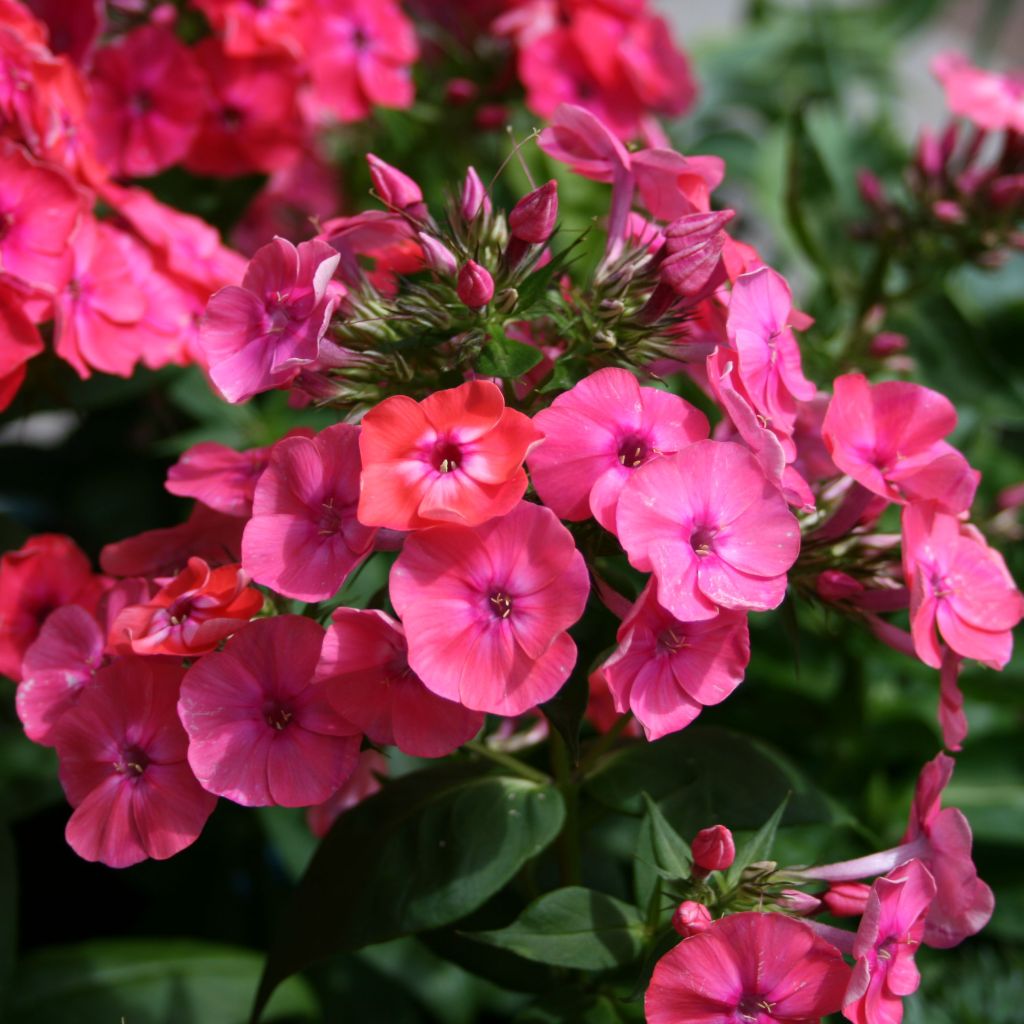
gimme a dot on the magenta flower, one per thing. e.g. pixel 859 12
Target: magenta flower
pixel 959 586
pixel 259 335
pixel 19 342
pixel 261 730
pixel 888 437
pixel 148 95
pixel 598 433
pixel 748 968
pixel 220 477
pixel 713 529
pixel 365 669
pixel 485 609
pixel 888 937
pixel 123 768
pixel 62 659
pixel 666 671
pixel 304 538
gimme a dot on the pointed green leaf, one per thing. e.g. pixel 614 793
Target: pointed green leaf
pixel 758 846
pixel 503 357
pixel 670 852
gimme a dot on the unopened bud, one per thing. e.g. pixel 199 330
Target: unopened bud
pixel 438 256
pixel 610 309
pixel 833 585
pixel 691 918
pixel 475 285
pixel 474 197
pixel 459 91
pixel 533 218
pixel 888 343
pixel 396 189
pixel 871 190
pixel 847 899
pixel 491 116
pixel 948 212
pixel 605 340
pixel 797 902
pixel 505 301
pixel 713 849
pixel 758 871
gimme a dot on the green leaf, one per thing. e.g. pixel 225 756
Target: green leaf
pixel 573 927
pixel 503 357
pixel 427 849
pixel 565 712
pixel 670 853
pixel 573 1008
pixel 144 981
pixel 757 847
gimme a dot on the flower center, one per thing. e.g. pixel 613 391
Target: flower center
pixel 133 762
pixel 702 540
pixel 751 1007
pixel 632 451
pixel 669 640
pixel 445 457
pixel 330 518
pixel 501 604
pixel 277 715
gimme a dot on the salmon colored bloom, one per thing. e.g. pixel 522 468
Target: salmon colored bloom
pixel 455 457
pixel 191 615
pixel 220 477
pixel 486 609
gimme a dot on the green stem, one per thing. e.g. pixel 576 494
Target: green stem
pixel 569 856
pixel 602 744
pixel 513 764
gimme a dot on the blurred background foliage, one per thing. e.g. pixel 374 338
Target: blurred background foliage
pixel 796 100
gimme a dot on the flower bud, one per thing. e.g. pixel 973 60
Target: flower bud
pixel 690 918
pixel 505 301
pixel 533 218
pixel 491 116
pixel 871 190
pixel 475 285
pixel 693 267
pixel 713 849
pixel 474 197
pixel 834 585
pixel 459 91
pixel 797 902
pixel 887 343
pixel 847 899
pixel 396 189
pixel 948 212
pixel 437 255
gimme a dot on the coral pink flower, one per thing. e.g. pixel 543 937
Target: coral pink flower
pixel 666 671
pixel 47 572
pixel 888 437
pixel 19 342
pixel 362 783
pixel 191 614
pixel 39 207
pixel 122 766
pixel 755 967
pixel 887 939
pixel 218 476
pixel 148 95
pixel 767 354
pixel 959 585
pixel 596 436
pixel 365 668
pixel 61 660
pixel 360 52
pixel 383 239
pixel 992 101
pixel 252 122
pixel 485 609
pixel 252 28
pixel 304 537
pixel 212 536
pixel 261 730
pixel 259 335
pixel 672 185
pixel 455 457
pixel 712 528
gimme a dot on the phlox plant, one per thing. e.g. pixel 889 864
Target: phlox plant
pixel 477 640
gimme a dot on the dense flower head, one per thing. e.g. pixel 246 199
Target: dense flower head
pixel 485 608
pixel 122 765
pixel 749 967
pixel 712 528
pixel 365 669
pixel 455 457
pixel 304 538
pixel 261 730
pixel 598 433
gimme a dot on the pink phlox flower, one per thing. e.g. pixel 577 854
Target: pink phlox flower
pixel 666 671
pixel 19 342
pixel 148 95
pixel 47 572
pixel 748 968
pixel 255 28
pixel 888 937
pixel 365 668
pixel 383 238
pixel 952 719
pixel 61 660
pixel 206 534
pixel 672 185
pixel 123 768
pixel 360 54
pixel 259 335
pixel 598 433
pixel 767 354
pixel 72 30
pixel 713 529
pixel 455 457
pixel 486 609
pixel 261 730
pixel 396 190
pixel 992 101
pixel 960 589
pixel 888 437
pixel 40 207
pixel 252 121
pixel 364 781
pixel 190 615
pixel 304 538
